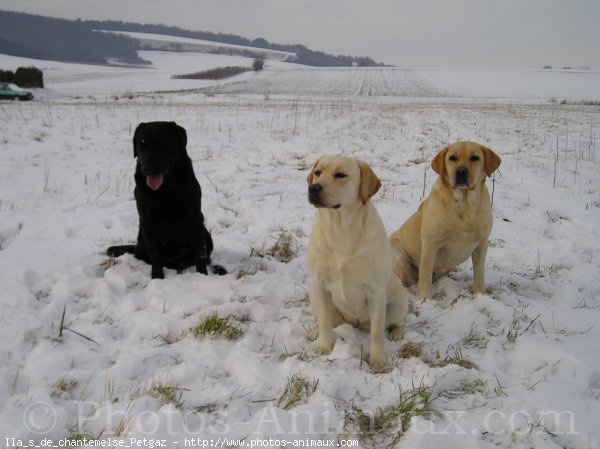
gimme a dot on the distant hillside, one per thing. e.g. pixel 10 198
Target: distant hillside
pixel 305 55
pixel 41 37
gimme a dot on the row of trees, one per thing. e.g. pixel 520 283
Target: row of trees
pixel 23 77
pixel 39 37
pixel 222 72
pixel 305 55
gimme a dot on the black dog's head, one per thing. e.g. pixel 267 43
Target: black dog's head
pixel 158 146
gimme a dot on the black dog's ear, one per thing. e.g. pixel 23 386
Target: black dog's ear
pixel 137 130
pixel 182 137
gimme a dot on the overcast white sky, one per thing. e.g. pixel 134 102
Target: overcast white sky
pixel 409 33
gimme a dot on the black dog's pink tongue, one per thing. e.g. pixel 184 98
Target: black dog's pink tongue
pixel 154 181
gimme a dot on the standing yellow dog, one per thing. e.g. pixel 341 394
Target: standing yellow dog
pixel 350 257
pixel 453 223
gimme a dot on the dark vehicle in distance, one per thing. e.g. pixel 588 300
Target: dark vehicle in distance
pixel 10 91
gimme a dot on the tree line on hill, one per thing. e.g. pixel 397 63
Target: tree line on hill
pixel 305 55
pixel 41 37
pixel 23 77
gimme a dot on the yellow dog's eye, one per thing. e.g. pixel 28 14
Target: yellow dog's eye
pixel 317 172
pixel 453 158
pixel 474 158
pixel 340 175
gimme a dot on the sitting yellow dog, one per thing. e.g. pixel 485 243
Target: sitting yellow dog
pixel 350 257
pixel 452 224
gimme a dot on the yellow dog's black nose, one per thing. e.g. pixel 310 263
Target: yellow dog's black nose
pixel 461 176
pixel 314 189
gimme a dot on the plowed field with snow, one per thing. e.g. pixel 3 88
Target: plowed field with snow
pixel 388 81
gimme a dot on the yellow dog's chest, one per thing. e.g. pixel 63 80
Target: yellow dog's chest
pixel 349 292
pixel 456 250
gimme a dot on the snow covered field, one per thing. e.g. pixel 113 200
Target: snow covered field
pixel 539 85
pixel 347 81
pixel 93 348
pixel 288 79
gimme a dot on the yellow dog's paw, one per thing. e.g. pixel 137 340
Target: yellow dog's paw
pixel 324 347
pixel 396 332
pixel 378 364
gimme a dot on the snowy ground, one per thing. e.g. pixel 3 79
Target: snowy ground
pixel 293 80
pixel 517 367
pixel 540 85
pixel 83 81
pixel 347 81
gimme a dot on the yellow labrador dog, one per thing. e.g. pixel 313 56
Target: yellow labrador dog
pixel 350 258
pixel 453 223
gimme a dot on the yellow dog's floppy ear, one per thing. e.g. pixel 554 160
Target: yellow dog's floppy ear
pixel 310 176
pixel 439 162
pixel 369 182
pixel 492 160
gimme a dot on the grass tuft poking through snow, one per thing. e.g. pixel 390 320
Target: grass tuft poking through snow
pixel 297 390
pixel 167 394
pixel 285 248
pixel 215 326
pixel 387 425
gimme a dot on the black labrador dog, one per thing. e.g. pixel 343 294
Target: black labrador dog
pixel 168 199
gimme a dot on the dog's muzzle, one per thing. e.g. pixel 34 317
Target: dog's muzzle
pixel 154 176
pixel 314 195
pixel 461 177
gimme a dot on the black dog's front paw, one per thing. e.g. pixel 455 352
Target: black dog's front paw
pixel 218 269
pixel 117 251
